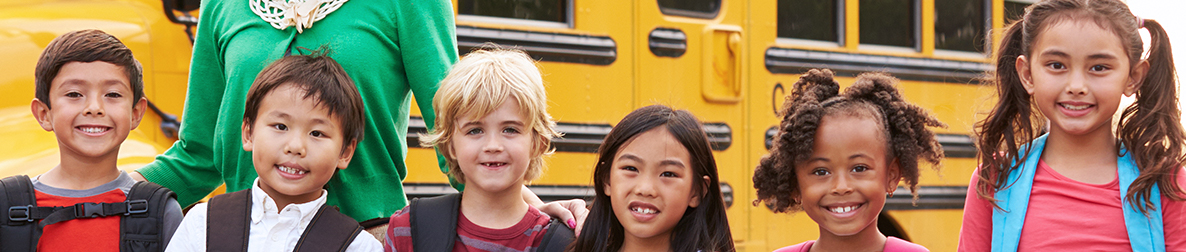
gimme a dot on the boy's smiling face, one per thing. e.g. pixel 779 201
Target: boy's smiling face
pixel 494 151
pixel 295 145
pixel 90 109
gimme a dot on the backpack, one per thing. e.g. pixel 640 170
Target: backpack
pixel 140 226
pixel 229 218
pixel 434 226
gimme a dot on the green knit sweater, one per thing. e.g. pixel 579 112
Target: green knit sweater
pixel 394 50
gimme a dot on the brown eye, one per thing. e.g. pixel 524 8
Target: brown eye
pixel 860 168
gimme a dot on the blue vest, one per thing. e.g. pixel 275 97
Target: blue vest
pixel 1145 233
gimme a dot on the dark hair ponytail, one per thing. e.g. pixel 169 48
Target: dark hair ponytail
pixel 1011 121
pixel 1151 127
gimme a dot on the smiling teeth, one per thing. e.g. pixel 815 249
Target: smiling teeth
pixel 1074 107
pixel 644 210
pixel 291 170
pixel 842 209
pixel 494 164
pixel 92 129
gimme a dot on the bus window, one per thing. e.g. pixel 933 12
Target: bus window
pixel 811 20
pixel 690 8
pixel 960 25
pixel 889 23
pixel 1014 9
pixel 555 13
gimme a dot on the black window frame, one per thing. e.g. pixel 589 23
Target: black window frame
pixel 570 12
pixel 692 14
pixel 985 46
pixel 916 6
pixel 841 22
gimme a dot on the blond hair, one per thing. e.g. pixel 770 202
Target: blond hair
pixel 477 85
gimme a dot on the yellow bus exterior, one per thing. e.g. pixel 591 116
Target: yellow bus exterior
pixel 726 63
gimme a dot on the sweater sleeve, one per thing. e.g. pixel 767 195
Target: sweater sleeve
pixel 1173 218
pixel 428 38
pixel 976 231
pixel 187 167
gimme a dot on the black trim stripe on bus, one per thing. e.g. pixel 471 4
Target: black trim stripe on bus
pixel 668 42
pixel 954 145
pixel 929 197
pixel 796 61
pixel 557 47
pixel 586 137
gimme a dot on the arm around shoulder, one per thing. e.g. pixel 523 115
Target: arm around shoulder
pixel 187 167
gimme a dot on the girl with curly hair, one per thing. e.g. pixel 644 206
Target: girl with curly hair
pixel 837 157
pixel 1065 65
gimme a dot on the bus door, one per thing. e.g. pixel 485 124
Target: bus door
pixel 689 56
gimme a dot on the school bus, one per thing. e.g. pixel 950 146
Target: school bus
pixel 730 62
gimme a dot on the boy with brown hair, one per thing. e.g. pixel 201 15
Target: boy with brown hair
pixel 89 92
pixel 303 119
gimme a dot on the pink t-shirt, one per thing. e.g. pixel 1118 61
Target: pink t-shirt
pixel 892 244
pixel 1068 215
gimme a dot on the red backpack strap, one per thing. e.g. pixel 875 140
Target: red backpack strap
pixel 330 230
pixel 228 219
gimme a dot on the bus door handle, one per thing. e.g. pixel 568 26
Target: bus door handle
pixel 722 79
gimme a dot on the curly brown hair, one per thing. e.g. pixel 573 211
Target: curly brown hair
pixel 816 95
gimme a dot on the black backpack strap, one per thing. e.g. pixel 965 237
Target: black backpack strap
pixel 90 210
pixel 18 230
pixel 142 227
pixel 228 219
pixel 329 230
pixel 434 222
pixel 557 238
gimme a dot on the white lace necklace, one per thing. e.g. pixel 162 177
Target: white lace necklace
pixel 300 13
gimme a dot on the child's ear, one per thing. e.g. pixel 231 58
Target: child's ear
pixel 1136 77
pixel 247 136
pixel 344 159
pixel 138 111
pixel 1024 74
pixel 695 200
pixel 893 176
pixel 41 112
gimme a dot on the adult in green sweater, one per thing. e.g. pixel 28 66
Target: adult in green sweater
pixel 394 50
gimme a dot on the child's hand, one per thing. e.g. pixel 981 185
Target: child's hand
pixel 572 212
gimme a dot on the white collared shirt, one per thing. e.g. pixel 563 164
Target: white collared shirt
pixel 269 231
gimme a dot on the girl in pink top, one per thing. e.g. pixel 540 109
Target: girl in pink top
pixel 1081 186
pixel 838 156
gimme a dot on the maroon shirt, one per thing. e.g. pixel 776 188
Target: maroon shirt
pixel 523 236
